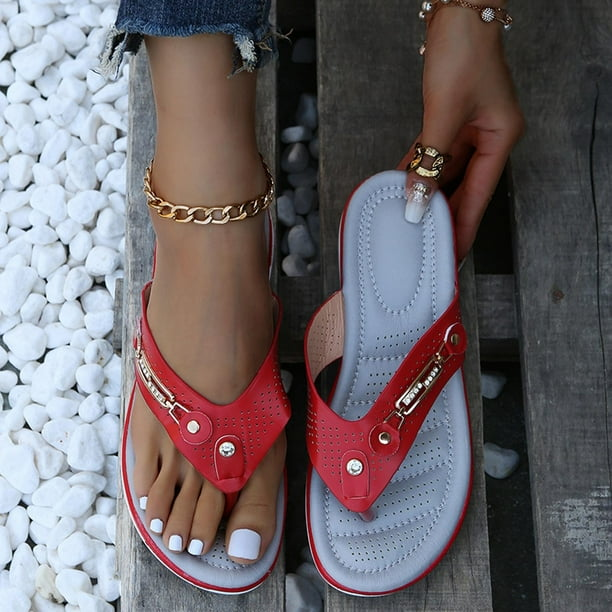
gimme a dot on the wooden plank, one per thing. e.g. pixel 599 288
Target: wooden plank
pixel 146 584
pixel 562 181
pixel 496 310
pixel 369 113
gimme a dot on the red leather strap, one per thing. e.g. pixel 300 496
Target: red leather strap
pixel 225 443
pixel 357 459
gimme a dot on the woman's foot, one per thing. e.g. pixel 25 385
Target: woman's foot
pixel 211 314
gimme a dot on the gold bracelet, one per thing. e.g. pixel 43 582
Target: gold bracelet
pixel 207 215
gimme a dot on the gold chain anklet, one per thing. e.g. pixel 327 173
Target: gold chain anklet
pixel 207 215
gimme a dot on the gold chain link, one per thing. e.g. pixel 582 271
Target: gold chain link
pixel 206 215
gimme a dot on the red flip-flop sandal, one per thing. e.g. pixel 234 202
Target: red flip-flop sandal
pixel 391 453
pixel 225 443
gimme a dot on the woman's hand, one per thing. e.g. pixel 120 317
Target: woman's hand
pixel 470 112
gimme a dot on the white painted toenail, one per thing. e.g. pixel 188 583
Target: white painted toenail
pixel 244 544
pixel 157 525
pixel 195 547
pixel 142 502
pixel 175 543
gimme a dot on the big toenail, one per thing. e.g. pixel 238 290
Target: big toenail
pixel 195 547
pixel 142 502
pixel 244 544
pixel 157 525
pixel 175 543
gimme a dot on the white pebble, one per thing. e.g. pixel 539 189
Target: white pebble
pixel 102 260
pixel 48 258
pixel 44 583
pixel 20 170
pixel 305 200
pixel 113 405
pixel 14 599
pixel 31 61
pixel 63 111
pixel 54 291
pixel 9 495
pixel 21 32
pixel 57 334
pixel 71 315
pixel 14 420
pixel 98 351
pixel 17 524
pixel 75 549
pixel 80 339
pixel 294 265
pixel 108 433
pixel 26 341
pixel 95 526
pixel 94 481
pixel 71 582
pixel 286 210
pixel 44 517
pixel 85 451
pixel 77 283
pixel 67 230
pixel 28 141
pixel 72 88
pixel 300 242
pixel 106 506
pixel 492 384
pixel 55 148
pixel 49 461
pixel 70 35
pixel 99 323
pixel 108 581
pixel 301 594
pixel 50 491
pixel 62 407
pixel 92 408
pixel 75 502
pixel 306 113
pixel 499 462
pixel 58 432
pixel 90 376
pixel 112 371
pixel 6 550
pixel 111 473
pixel 97 300
pixel 84 206
pixel 306 178
pixel 41 234
pixel 23 567
pixel 81 245
pixel 15 287
pixel 19 396
pixel 295 157
pixel 110 224
pixel 65 526
pixel 18 467
pixel 8 379
pixel 35 415
pixel 296 133
pixel 50 200
pixel 92 603
pixel 81 166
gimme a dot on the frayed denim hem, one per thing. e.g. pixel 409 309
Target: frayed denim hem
pixel 250 52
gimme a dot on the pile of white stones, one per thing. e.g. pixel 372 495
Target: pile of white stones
pixel 298 208
pixel 62 193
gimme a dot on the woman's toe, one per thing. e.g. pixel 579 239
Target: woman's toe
pixel 206 519
pixel 178 525
pixel 160 498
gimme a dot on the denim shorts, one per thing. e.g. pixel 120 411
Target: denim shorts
pixel 245 20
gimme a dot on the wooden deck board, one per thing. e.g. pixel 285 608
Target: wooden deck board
pixel 562 181
pixel 146 584
pixel 369 113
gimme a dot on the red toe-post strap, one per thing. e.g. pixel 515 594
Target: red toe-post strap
pixel 357 459
pixel 225 443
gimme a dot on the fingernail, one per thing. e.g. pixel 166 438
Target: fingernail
pixel 195 547
pixel 175 543
pixel 157 525
pixel 142 502
pixel 244 544
pixel 417 199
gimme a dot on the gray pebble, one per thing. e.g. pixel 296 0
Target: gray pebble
pixel 306 178
pixel 294 265
pixel 300 242
pixel 301 595
pixel 492 384
pixel 296 133
pixel 284 243
pixel 305 200
pixel 306 113
pixel 314 268
pixel 285 210
pixel 499 462
pixel 309 571
pixel 304 51
pixel 295 157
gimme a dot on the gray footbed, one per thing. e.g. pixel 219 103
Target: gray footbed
pixel 397 279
